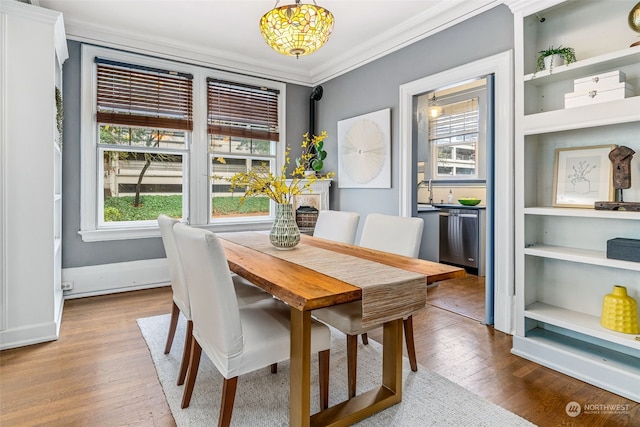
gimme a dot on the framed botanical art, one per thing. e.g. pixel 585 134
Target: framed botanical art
pixel 582 176
pixel 364 151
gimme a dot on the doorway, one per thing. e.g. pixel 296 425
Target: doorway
pixel 499 275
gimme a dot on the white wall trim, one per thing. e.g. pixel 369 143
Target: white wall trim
pixel 502 66
pixel 29 334
pixel 3 168
pixel 117 277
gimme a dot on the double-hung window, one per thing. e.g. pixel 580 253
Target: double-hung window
pixel 242 132
pixel 152 134
pixel 144 118
pixel 454 136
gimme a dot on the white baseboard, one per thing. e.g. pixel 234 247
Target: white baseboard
pixel 118 277
pixel 27 335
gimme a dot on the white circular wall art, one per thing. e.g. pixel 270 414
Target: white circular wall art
pixel 364 151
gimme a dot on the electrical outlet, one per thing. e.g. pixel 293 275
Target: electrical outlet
pixel 67 286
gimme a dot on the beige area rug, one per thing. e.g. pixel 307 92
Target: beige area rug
pixel 262 398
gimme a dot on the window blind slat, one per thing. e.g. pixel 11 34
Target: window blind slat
pixel 139 96
pixel 243 111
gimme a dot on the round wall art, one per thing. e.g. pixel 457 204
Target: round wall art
pixel 363 151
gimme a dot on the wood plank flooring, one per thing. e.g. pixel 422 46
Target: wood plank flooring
pixel 100 373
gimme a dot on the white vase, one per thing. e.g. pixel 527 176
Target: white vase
pixel 553 61
pixel 284 233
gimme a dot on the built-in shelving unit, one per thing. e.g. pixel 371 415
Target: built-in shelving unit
pixel 562 270
pixel 34 49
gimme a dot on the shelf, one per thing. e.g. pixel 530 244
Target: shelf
pixel 586 67
pixel 582 213
pixel 585 256
pixel 605 113
pixel 578 322
pixel 605 368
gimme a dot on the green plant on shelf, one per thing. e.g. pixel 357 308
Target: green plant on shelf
pixel 568 53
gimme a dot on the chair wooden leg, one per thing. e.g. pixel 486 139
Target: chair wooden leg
pixel 365 339
pixel 184 364
pixel 323 373
pixel 228 398
pixel 411 347
pixel 175 314
pixel 274 368
pixel 194 363
pixel 352 362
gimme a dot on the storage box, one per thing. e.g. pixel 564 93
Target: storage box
pixel 599 81
pixel 596 96
pixel 624 249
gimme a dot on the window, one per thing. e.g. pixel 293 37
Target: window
pixel 151 130
pixel 144 118
pixel 453 136
pixel 242 129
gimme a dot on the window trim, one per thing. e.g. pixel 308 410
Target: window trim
pixel 196 171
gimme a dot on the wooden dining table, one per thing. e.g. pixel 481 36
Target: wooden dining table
pixel 305 289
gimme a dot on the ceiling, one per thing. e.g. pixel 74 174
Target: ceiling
pixel 225 34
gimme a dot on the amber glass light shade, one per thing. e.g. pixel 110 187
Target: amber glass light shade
pixel 296 29
pixel 620 312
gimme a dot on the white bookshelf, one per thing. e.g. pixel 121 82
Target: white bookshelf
pixel 562 271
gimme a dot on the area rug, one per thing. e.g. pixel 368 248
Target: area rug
pixel 262 397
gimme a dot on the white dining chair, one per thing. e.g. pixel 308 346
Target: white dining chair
pixel 247 292
pixel 339 226
pixel 395 234
pixel 237 339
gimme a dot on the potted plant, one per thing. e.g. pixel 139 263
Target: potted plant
pixel 313 153
pixel 554 56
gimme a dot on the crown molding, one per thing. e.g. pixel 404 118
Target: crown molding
pixel 527 7
pixel 437 18
pixel 440 16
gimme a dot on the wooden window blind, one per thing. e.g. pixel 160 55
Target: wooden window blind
pixel 243 111
pixel 133 95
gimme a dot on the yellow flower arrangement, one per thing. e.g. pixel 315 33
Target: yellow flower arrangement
pixel 260 181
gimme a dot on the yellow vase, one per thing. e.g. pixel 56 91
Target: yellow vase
pixel 620 312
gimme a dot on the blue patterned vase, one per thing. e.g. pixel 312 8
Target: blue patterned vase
pixel 284 233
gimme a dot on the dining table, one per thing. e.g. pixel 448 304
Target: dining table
pixel 320 273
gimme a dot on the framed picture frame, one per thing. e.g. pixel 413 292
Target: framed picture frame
pixel 582 176
pixel 364 151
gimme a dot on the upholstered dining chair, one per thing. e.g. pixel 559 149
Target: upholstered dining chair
pixel 247 293
pixel 339 226
pixel 237 339
pixel 395 234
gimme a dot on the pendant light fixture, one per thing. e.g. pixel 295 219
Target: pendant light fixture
pixel 434 109
pixel 296 29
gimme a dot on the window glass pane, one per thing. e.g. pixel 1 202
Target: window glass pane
pixel 227 204
pixel 140 186
pixel 236 145
pixel 142 137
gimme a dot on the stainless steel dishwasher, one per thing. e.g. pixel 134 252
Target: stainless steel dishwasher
pixel 459 237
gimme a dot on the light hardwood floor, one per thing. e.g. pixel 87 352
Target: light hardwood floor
pixel 99 373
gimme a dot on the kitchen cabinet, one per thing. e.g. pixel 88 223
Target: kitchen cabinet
pixel 33 49
pixel 429 246
pixel 562 272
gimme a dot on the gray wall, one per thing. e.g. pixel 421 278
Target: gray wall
pixel 375 86
pixel 75 252
pixel 372 87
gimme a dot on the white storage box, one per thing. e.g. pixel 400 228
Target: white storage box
pixel 595 96
pixel 599 81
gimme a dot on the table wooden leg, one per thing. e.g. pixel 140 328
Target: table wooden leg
pixel 392 357
pixel 300 381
